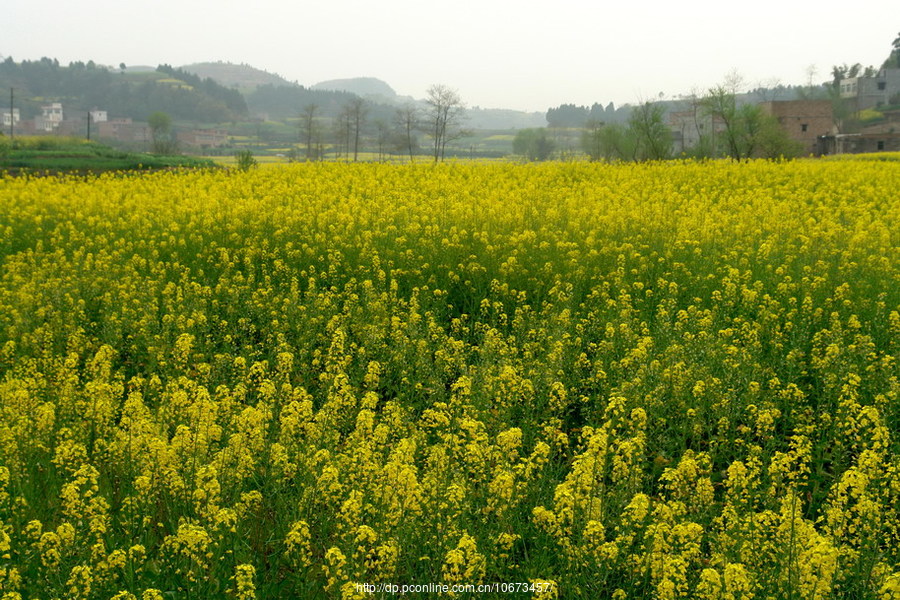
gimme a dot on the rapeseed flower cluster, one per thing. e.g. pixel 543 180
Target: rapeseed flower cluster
pixel 633 381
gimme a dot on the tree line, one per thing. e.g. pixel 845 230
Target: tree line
pixel 571 115
pixel 400 131
pixel 727 124
pixel 724 121
pixel 84 86
pixel 340 122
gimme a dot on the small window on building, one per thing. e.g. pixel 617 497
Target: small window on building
pixel 881 145
pixel 804 127
pixel 882 85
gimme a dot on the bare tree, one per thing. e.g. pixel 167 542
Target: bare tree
pixel 812 90
pixel 343 131
pixel 383 137
pixel 444 117
pixel 591 139
pixel 407 120
pixel 768 90
pixel 309 127
pixel 357 111
pixel 694 102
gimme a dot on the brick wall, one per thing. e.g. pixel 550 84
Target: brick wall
pixel 803 120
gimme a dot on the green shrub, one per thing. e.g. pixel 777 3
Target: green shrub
pixel 245 160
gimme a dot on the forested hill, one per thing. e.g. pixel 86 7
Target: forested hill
pixel 283 101
pixel 243 77
pixel 84 86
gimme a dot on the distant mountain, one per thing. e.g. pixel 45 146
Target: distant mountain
pixel 243 77
pixel 361 86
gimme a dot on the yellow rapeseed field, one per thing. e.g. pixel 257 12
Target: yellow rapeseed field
pixel 674 380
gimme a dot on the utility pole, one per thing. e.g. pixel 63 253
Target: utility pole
pixel 89 126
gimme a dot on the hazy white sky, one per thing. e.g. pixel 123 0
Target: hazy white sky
pixel 496 53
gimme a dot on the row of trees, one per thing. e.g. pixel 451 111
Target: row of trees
pixel 745 129
pixel 724 124
pixel 441 119
pixel 727 123
pixel 645 136
pixel 572 115
pixel 733 129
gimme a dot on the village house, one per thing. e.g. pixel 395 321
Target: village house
pixel 50 118
pixel 804 121
pixel 689 127
pixel 874 91
pixel 123 130
pixel 10 119
pixel 203 138
pixel 878 137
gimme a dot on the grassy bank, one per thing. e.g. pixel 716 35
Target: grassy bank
pixel 49 155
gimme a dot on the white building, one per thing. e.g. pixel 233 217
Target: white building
pixel 14 120
pixel 51 117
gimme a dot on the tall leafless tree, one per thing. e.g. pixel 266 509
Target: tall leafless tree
pixel 357 111
pixel 382 134
pixel 343 131
pixel 407 119
pixel 308 127
pixel 445 112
